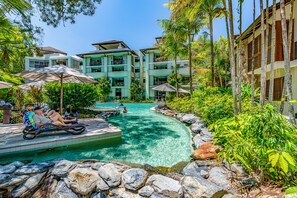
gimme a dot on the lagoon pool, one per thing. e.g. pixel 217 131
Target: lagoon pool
pixel 147 138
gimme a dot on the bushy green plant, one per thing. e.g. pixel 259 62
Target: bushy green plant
pixel 76 95
pixel 262 140
pixel 103 89
pixel 136 91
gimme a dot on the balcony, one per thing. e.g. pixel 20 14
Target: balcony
pixel 95 63
pixel 118 62
pixel 118 84
pixel 94 70
pixel 117 69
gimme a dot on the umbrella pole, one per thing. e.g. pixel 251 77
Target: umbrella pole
pixel 61 95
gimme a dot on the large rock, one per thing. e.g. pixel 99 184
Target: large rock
pixel 219 176
pixel 179 116
pixel 120 166
pixel 189 118
pixel 238 169
pixel 4 178
pixel 14 181
pixel 192 169
pixel 62 167
pixel 165 186
pixel 205 151
pixel 196 127
pixel 198 187
pixel 62 190
pixel 17 164
pixel 199 140
pixel 25 189
pixel 110 174
pixel 146 191
pixel 101 184
pixel 134 178
pixel 83 180
pixel 7 169
pixel 34 168
pixel 122 193
pixel 206 132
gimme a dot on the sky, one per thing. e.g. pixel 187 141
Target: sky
pixel 132 21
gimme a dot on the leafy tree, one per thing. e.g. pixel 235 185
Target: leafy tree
pixel 36 94
pixel 103 89
pixel 136 91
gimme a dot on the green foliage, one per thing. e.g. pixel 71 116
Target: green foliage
pixel 103 89
pixel 77 96
pixel 136 91
pixel 127 100
pixel 291 191
pixel 262 140
pixel 35 94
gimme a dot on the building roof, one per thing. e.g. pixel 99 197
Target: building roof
pixel 148 49
pixel 108 52
pixel 51 50
pixel 105 43
pixel 249 31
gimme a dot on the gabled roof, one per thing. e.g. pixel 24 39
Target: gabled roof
pixel 104 43
pixel 51 50
pixel 111 51
pixel 148 49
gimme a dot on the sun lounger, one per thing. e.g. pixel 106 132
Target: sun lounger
pixel 31 130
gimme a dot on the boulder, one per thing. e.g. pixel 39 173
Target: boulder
pixel 83 180
pixel 98 195
pixel 14 181
pixel 206 163
pixel 165 186
pixel 199 187
pixel 238 169
pixel 199 140
pixel 189 118
pixel 219 176
pixel 146 191
pixel 34 168
pixel 101 184
pixel 122 193
pixel 62 168
pixel 97 165
pixel 120 166
pixel 110 174
pixel 196 127
pixel 206 151
pixel 175 176
pixel 4 178
pixel 25 189
pixel 7 169
pixel 179 116
pixel 134 178
pixel 206 132
pixel 61 190
pixel 192 169
pixel 17 164
pixel 47 187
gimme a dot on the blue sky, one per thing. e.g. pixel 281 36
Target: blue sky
pixel 133 21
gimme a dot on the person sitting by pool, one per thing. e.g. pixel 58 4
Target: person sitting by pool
pixel 125 110
pixel 54 118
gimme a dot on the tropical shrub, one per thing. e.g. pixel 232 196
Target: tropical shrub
pixel 262 140
pixel 76 95
pixel 103 89
pixel 136 91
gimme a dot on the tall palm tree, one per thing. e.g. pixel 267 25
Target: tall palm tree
pixel 286 48
pixel 14 7
pixel 212 9
pixel 239 57
pixel 271 83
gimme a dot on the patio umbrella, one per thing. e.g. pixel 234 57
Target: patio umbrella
pixel 165 87
pixel 4 85
pixel 57 73
pixel 27 86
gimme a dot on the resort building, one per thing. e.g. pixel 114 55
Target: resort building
pixel 49 56
pixel 121 65
pixel 247 39
pixel 115 61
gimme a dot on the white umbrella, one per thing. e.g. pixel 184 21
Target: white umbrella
pixel 56 73
pixel 4 85
pixel 27 86
pixel 168 88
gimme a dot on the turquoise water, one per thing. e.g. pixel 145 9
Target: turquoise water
pixel 147 138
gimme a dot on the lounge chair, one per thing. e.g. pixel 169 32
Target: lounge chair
pixel 31 130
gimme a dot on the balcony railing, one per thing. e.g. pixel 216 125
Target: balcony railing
pixel 117 69
pixel 95 63
pixel 94 70
pixel 118 84
pixel 118 62
pixel 160 82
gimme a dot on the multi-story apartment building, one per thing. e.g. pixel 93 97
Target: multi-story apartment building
pixel 49 56
pixel 121 65
pixel 247 39
pixel 113 60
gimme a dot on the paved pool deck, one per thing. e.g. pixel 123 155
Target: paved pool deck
pixel 11 137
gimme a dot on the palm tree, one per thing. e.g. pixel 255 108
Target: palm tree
pixel 286 48
pixel 212 9
pixel 232 57
pixel 239 57
pixel 271 83
pixel 253 52
pixel 14 7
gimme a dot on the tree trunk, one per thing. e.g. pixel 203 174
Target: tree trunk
pixel 232 58
pixel 253 59
pixel 284 98
pixel 176 79
pixel 239 58
pixel 228 36
pixel 288 79
pixel 190 61
pixel 211 51
pixel 263 55
pixel 271 83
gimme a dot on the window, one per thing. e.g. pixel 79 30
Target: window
pixel 94 70
pixel 118 82
pixel 117 69
pixel 137 59
pixel 137 70
pixel 156 67
pixel 257 54
pixel 95 61
pixel 160 80
pixel 143 80
pixel 277 88
pixel 38 64
pixel 117 60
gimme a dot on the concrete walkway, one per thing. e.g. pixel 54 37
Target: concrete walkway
pixel 11 137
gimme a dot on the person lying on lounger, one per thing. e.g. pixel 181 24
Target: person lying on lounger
pixel 54 118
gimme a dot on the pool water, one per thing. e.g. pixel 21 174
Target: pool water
pixel 147 138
